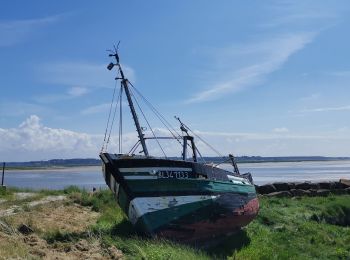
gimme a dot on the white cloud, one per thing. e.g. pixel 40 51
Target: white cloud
pixel 312 97
pixel 77 91
pixel 280 130
pixel 261 59
pixel 301 18
pixel 12 32
pixel 326 109
pixel 96 109
pixel 342 73
pixel 101 108
pixel 73 92
pixel 18 108
pixel 277 143
pixel 302 14
pixel 33 141
pixel 82 74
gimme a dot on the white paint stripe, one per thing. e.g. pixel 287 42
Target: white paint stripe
pixel 152 169
pixel 141 206
pixel 138 177
pixel 237 180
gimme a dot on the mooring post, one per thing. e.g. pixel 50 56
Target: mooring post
pixel 3 174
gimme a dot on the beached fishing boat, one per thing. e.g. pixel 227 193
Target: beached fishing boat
pixel 181 198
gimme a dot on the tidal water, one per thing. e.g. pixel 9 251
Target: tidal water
pixel 91 176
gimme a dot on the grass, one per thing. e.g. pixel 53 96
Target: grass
pixel 286 228
pixel 337 213
pixel 6 193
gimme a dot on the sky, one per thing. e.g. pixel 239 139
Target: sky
pixel 255 78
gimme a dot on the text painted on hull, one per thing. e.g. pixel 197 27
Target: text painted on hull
pixel 157 173
pixel 174 174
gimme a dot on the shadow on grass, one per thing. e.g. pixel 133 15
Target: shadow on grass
pixel 219 249
pixel 229 245
pixel 123 229
pixel 222 248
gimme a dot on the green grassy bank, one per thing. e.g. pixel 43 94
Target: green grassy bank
pixel 286 228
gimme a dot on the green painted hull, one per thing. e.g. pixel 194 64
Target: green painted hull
pixel 160 200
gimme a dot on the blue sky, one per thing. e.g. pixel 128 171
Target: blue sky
pixel 253 78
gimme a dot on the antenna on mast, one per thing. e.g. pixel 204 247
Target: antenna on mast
pixel 124 83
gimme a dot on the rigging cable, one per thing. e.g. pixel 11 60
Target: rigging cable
pixel 216 151
pixel 120 119
pixel 147 123
pixel 159 115
pixel 115 110
pixel 109 116
pixel 168 125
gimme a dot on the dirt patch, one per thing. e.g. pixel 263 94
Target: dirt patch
pixel 46 200
pixel 10 211
pixel 82 249
pixel 56 216
pixel 14 209
pixel 24 195
pixel 12 247
pixel 47 216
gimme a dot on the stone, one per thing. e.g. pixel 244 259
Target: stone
pixel 266 189
pixel 298 192
pixel 279 194
pixel 313 192
pixel 314 186
pixel 24 229
pixel 323 192
pixel 325 185
pixel 303 186
pixel 338 185
pixel 281 186
pixel 291 185
pixel 339 192
pixel 345 183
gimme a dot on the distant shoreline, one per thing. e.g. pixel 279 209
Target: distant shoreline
pixel 73 163
pixel 28 168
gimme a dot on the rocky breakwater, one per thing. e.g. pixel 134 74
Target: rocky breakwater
pixel 295 189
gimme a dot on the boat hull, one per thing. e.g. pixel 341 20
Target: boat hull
pixel 179 200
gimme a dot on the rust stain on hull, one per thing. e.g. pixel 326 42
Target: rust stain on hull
pixel 204 230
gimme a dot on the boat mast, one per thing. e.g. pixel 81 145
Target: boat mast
pixel 124 83
pixel 186 138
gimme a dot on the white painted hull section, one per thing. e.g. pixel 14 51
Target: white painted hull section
pixel 153 170
pixel 140 206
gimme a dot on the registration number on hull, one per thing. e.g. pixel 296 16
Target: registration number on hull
pixel 174 174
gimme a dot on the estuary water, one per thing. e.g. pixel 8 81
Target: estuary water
pixel 91 176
